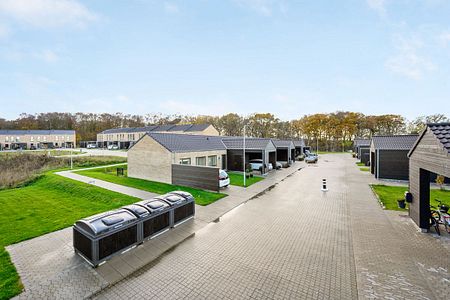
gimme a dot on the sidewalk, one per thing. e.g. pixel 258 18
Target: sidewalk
pixel 107 185
pixel 49 268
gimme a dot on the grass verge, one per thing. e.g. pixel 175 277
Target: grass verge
pixel 109 174
pixel 390 194
pixel 237 179
pixel 365 169
pixel 49 203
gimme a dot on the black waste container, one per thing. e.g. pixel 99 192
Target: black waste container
pixel 182 204
pixel 99 237
pixel 159 219
pixel 142 214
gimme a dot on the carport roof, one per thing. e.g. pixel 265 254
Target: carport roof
pixel 187 142
pixel 299 143
pixel 361 142
pixel 283 143
pixel 250 143
pixel 441 131
pixel 394 142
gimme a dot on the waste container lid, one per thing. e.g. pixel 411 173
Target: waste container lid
pixel 138 210
pixel 104 222
pixel 154 204
pixel 111 220
pixel 173 198
pixel 182 193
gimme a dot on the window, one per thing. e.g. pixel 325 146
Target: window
pixel 7 139
pixel 212 161
pixel 185 161
pixel 32 139
pixel 200 161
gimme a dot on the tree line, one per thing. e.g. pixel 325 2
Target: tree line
pixel 330 131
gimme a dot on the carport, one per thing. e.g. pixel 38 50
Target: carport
pixel 299 146
pixel 389 156
pixel 285 150
pixel 430 155
pixel 255 148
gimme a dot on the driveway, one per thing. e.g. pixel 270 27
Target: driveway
pixel 298 242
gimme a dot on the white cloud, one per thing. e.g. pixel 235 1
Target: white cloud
pixel 171 8
pixel 378 5
pixel 263 7
pixel 408 61
pixel 47 13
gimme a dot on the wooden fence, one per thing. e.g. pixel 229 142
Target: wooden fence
pixel 194 176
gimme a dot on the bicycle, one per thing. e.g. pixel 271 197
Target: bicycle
pixel 435 219
pixel 444 216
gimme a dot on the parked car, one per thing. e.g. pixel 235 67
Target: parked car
pixel 311 158
pixel 257 164
pixel 113 147
pixel 224 180
pixel 278 165
pixel 91 146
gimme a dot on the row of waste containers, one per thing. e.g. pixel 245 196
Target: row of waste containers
pixel 99 237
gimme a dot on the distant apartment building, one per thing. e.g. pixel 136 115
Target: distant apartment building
pixel 36 139
pixel 126 137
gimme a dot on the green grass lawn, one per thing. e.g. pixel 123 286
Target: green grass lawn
pixel 390 194
pixel 365 169
pixel 50 203
pixel 360 164
pixel 238 179
pixel 109 174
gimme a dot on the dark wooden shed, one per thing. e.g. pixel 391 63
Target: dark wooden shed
pixel 362 149
pixel 389 156
pixel 429 155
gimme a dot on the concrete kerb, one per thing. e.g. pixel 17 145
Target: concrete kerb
pixel 376 196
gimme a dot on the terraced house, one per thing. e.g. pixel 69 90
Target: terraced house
pixel 127 137
pixel 36 139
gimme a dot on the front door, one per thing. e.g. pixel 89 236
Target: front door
pixel 224 162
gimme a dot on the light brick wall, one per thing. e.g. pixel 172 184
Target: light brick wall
pixel 149 160
pixel 36 139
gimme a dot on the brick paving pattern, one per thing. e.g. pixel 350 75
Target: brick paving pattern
pixel 296 242
pixel 292 242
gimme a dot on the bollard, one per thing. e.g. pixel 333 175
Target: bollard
pixel 324 185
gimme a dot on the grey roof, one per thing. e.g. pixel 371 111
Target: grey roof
pixel 282 143
pixel 187 142
pixel 35 132
pixel 299 143
pixel 159 128
pixel 442 133
pixel 394 142
pixel 361 142
pixel 250 143
pixel 198 127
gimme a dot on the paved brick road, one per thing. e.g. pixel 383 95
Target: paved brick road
pixel 299 243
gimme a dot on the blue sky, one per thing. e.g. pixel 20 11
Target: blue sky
pixel 213 57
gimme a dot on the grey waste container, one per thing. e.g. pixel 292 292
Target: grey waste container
pixel 99 237
pixel 182 204
pixel 142 214
pixel 159 219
